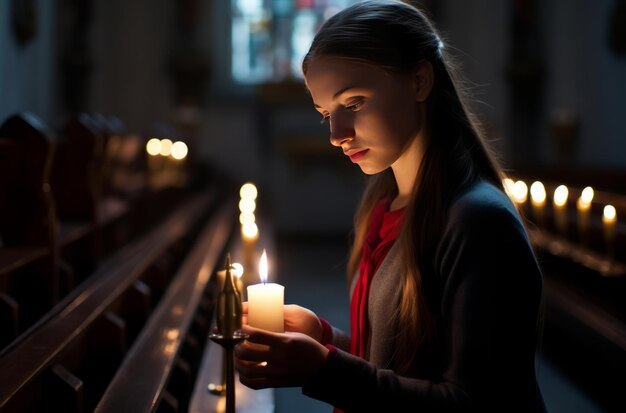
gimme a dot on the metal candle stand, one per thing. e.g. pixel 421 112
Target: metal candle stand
pixel 229 314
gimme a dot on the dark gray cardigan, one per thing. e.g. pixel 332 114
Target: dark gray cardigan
pixel 487 302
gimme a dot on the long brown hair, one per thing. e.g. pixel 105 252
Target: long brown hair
pixel 396 36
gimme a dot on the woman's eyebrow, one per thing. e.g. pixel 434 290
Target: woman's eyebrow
pixel 337 94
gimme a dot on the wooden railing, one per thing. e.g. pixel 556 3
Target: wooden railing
pixel 115 293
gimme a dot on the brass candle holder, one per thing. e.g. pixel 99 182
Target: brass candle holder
pixel 220 387
pixel 229 314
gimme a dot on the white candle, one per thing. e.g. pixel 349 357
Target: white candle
pixel 559 199
pixel 609 221
pixel 538 200
pixel 583 205
pixel 265 302
pixel 250 234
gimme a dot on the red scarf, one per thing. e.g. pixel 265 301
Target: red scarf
pixel 383 230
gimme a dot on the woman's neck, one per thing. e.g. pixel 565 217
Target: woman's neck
pixel 405 172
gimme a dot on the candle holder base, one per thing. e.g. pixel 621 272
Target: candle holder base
pixel 226 341
pixel 228 388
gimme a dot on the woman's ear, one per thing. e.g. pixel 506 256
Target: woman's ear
pixel 423 79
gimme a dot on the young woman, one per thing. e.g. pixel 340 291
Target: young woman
pixel 445 287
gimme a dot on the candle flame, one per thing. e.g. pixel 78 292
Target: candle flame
pixel 587 195
pixel 153 147
pixel 609 213
pixel 179 150
pixel 250 230
pixel 166 147
pixel 508 183
pixel 247 205
pixel 538 192
pixel 248 190
pixel 560 195
pixel 520 192
pixel 263 267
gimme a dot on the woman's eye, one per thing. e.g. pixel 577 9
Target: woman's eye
pixel 354 106
pixel 324 119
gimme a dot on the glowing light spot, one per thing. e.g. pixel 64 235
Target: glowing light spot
pixel 248 190
pixel 179 150
pixel 609 213
pixel 587 195
pixel 560 195
pixel 246 218
pixel 153 147
pixel 250 230
pixel 237 269
pixel 166 147
pixel 520 192
pixel 537 192
pixel 247 205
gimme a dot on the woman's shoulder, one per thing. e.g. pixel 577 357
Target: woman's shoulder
pixel 482 205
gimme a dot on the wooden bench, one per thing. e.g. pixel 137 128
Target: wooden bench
pixel 28 230
pixel 55 227
pixel 152 377
pixel 143 312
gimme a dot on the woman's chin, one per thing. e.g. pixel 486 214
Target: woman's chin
pixel 369 170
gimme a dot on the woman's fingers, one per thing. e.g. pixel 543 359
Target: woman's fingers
pixel 261 336
pixel 258 371
pixel 254 384
pixel 249 352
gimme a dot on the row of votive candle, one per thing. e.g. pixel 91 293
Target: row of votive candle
pixel 265 300
pixel 518 192
pixel 249 229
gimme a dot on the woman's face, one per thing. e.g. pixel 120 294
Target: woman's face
pixel 373 114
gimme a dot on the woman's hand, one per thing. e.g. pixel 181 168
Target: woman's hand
pixel 297 320
pixel 283 359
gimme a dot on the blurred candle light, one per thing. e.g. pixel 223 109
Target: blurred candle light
pixel 247 205
pixel 153 146
pixel 559 201
pixel 237 274
pixel 507 184
pixel 249 230
pixel 250 235
pixel 166 147
pixel 179 150
pixel 248 190
pixel 609 221
pixel 538 200
pixel 583 206
pixel 520 192
pixel 247 218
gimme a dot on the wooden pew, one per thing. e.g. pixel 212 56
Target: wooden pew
pixel 45 177
pixel 28 230
pixel 150 293
pixel 94 222
pixel 75 179
pixel 152 376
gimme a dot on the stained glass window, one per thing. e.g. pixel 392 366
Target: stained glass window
pixel 270 37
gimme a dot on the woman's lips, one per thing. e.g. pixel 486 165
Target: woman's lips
pixel 357 156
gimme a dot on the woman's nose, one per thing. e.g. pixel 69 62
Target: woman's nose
pixel 340 131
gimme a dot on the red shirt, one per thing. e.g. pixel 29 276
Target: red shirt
pixel 383 230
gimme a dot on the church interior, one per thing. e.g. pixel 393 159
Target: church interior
pixel 129 128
